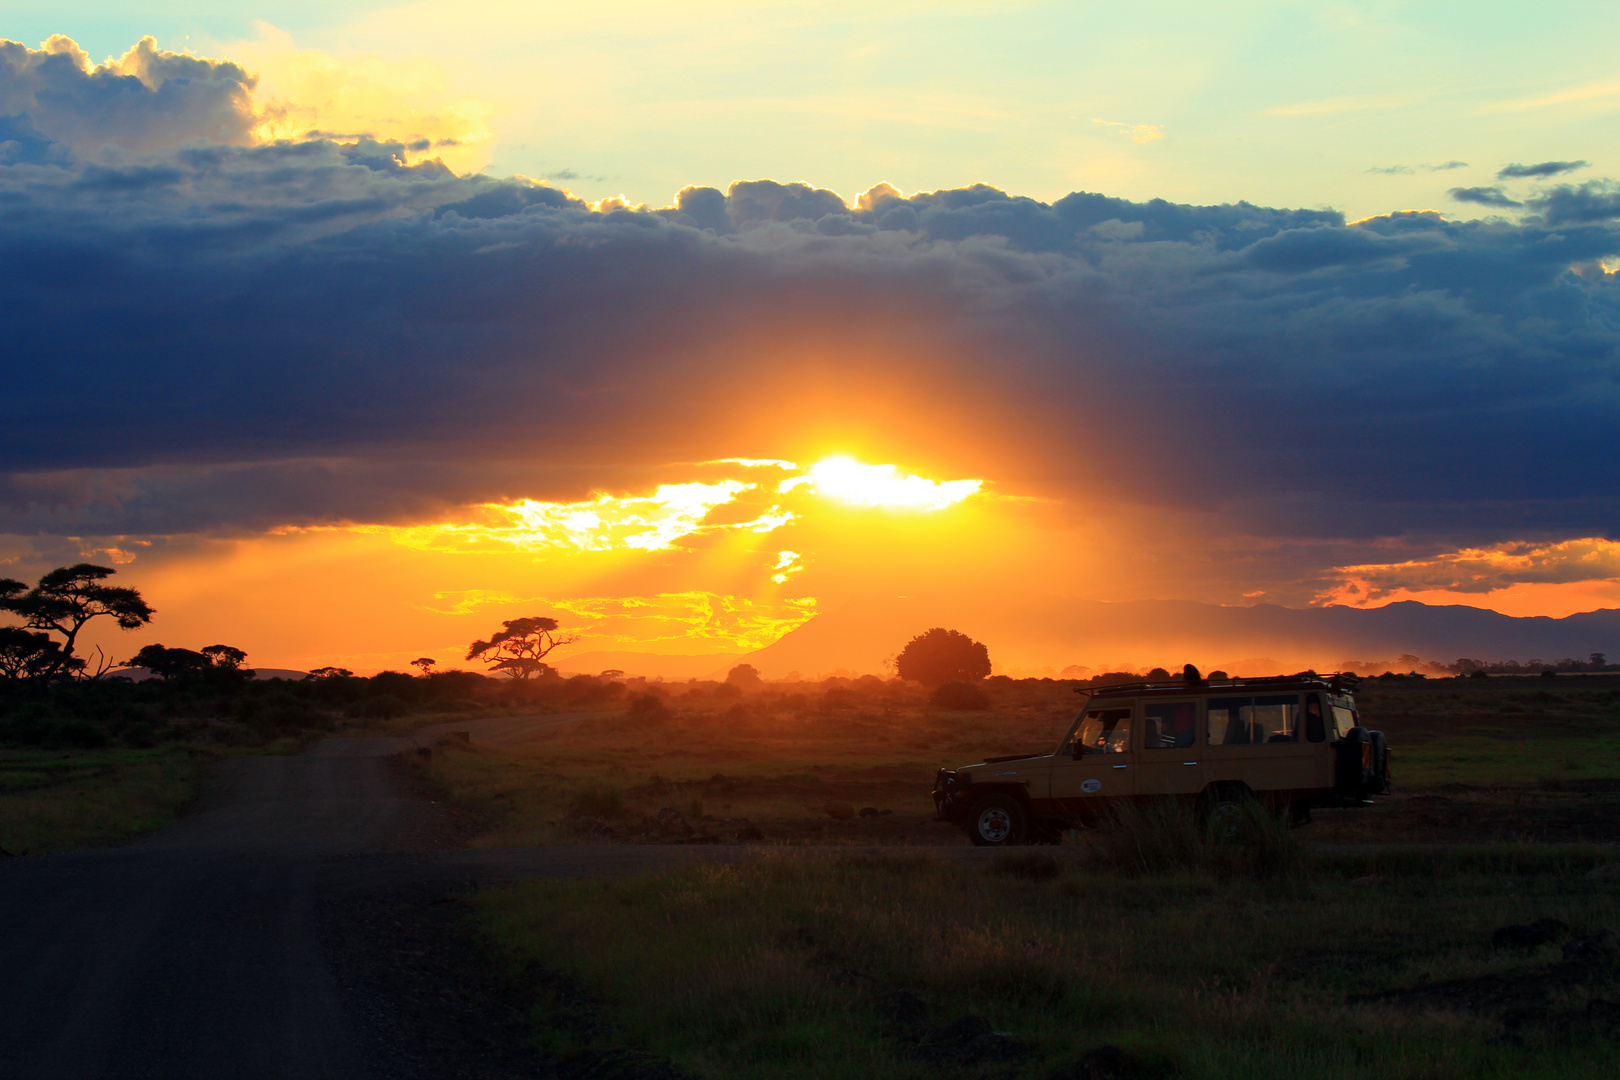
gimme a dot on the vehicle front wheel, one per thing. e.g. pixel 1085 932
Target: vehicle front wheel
pixel 997 821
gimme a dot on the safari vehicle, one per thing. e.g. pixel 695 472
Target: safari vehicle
pixel 1293 742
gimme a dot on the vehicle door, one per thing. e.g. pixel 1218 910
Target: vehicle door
pixel 1094 766
pixel 1169 762
pixel 1259 741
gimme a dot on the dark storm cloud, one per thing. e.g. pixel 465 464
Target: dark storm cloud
pixel 217 337
pixel 1484 196
pixel 1540 169
pixel 1593 201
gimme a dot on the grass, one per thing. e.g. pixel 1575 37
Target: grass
pixel 790 965
pixel 1200 960
pixel 774 759
pixel 59 800
pixel 1488 759
pixel 1524 746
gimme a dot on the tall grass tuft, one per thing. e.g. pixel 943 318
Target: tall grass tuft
pixel 1163 835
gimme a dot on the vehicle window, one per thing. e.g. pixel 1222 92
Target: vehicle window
pixel 1171 725
pixel 1276 719
pixel 1229 721
pixel 1343 720
pixel 1315 726
pixel 1104 731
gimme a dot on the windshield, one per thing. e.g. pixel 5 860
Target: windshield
pixel 1343 720
pixel 1102 731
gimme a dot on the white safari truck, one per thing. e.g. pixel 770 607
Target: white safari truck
pixel 1293 742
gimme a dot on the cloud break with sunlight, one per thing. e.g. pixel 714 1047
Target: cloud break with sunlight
pixel 850 482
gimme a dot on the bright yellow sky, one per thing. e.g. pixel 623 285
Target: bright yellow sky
pixel 723 564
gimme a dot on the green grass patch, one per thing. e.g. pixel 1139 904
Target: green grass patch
pixel 58 800
pixel 788 966
pixel 1484 759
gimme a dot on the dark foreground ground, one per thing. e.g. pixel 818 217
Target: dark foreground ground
pixel 306 921
pixel 309 919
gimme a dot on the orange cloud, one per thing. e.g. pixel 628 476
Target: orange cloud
pixel 1516 578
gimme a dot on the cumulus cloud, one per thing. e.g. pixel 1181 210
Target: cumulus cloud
pixel 146 99
pixel 1539 170
pixel 206 335
pixel 1484 196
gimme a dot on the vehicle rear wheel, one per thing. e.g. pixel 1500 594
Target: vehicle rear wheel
pixel 997 821
pixel 1223 814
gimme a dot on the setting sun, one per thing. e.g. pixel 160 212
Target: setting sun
pixel 849 481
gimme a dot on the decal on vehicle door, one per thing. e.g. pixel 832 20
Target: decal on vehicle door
pixel 1091 785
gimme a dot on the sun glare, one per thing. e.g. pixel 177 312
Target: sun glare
pixel 850 482
pixel 660 520
pixel 606 523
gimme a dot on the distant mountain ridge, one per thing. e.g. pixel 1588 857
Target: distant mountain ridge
pixel 1098 633
pixel 140 674
pixel 649 665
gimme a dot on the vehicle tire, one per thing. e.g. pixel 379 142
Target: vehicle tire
pixel 1378 781
pixel 1222 815
pixel 997 821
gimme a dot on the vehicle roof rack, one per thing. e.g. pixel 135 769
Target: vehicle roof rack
pixel 1334 680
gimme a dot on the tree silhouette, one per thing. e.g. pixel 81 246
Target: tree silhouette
pixel 942 656
pixel 744 677
pixel 218 662
pixel 26 654
pixel 64 601
pixel 424 664
pixel 519 646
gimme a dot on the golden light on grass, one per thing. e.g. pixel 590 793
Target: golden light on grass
pixel 848 481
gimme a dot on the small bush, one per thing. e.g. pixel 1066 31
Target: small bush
pixel 40 726
pixel 293 715
pixel 648 709
pixel 840 697
pixel 959 695
pixel 602 802
pixel 383 707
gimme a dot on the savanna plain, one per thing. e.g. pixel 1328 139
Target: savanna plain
pixel 1463 926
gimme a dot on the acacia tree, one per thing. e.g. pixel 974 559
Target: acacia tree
pixel 26 654
pixel 219 662
pixel 941 656
pixel 63 602
pixel 744 677
pixel 519 646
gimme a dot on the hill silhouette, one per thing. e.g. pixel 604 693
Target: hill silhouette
pixel 1141 632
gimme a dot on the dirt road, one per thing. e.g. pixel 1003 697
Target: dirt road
pixel 198 952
